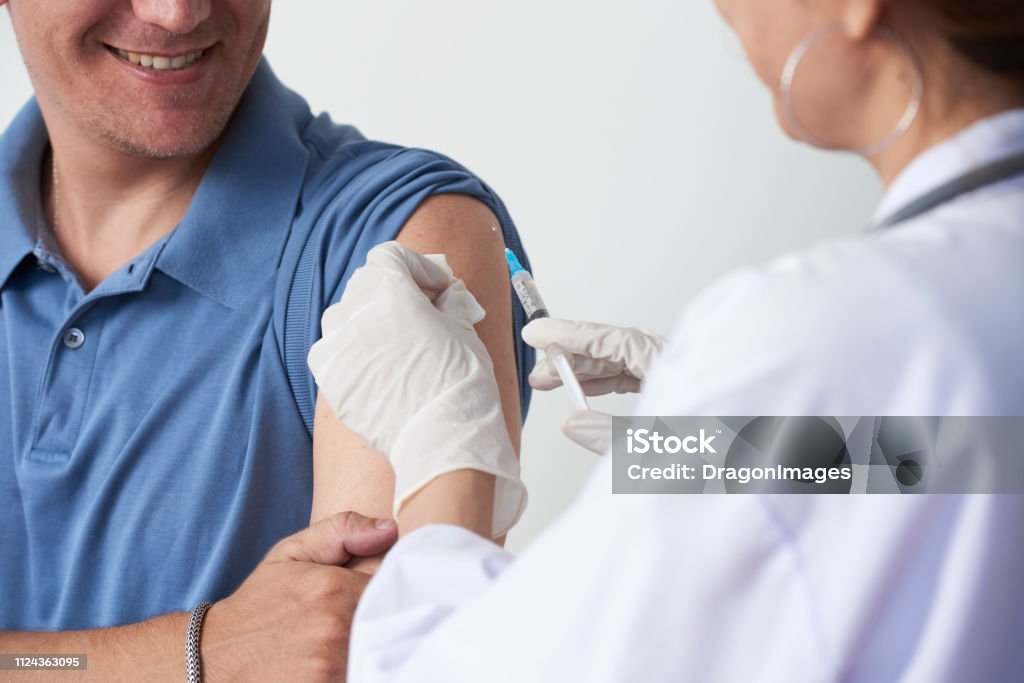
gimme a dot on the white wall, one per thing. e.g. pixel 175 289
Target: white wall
pixel 637 153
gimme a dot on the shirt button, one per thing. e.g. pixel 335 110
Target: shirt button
pixel 74 338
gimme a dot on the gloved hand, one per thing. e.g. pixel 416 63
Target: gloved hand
pixel 605 359
pixel 401 365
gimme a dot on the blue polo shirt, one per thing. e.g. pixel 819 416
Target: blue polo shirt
pixel 156 430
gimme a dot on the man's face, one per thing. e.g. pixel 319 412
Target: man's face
pixel 154 78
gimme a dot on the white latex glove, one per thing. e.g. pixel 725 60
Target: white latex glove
pixel 401 365
pixel 591 429
pixel 605 359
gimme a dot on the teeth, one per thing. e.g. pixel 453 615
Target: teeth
pixel 160 63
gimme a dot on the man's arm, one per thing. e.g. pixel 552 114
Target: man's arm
pixel 289 619
pixel 347 473
pixel 150 650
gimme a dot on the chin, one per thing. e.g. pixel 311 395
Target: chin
pixel 166 139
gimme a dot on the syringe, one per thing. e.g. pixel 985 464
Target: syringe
pixel 533 304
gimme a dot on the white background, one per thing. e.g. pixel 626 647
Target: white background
pixel 635 150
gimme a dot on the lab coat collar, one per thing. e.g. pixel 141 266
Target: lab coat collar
pixel 981 143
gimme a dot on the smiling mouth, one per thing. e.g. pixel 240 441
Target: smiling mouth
pixel 159 62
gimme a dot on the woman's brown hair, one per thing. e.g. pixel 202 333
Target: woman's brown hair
pixel 988 32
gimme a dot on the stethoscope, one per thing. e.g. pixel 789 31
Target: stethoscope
pixel 979 178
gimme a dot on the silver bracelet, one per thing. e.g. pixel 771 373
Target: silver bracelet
pixel 195 625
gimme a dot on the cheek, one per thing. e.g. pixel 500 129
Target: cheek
pixel 53 37
pixel 64 27
pixel 768 30
pixel 249 20
pixel 251 16
pixel 725 9
pixel 768 54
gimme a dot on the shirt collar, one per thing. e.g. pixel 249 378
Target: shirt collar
pixel 240 215
pixel 981 143
pixel 21 153
pixel 231 236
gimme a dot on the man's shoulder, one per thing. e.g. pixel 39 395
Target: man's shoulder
pixel 333 154
pixel 340 155
pixel 348 172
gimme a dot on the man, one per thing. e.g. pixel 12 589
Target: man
pixel 164 203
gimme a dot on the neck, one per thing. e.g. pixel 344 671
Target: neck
pixel 110 206
pixel 942 116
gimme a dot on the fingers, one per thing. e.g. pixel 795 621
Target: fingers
pixel 617 384
pixel 629 348
pixel 590 429
pixel 321 359
pixel 430 273
pixel 576 337
pixel 433 275
pixel 597 376
pixel 393 270
pixel 543 332
pixel 459 303
pixel 365 536
pixel 336 539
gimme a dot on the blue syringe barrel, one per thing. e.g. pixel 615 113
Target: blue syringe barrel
pixel 533 304
pixel 526 289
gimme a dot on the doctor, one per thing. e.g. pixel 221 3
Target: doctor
pixel 921 315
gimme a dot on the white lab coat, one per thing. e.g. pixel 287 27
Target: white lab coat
pixel 923 319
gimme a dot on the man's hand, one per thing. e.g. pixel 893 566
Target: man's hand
pixel 290 619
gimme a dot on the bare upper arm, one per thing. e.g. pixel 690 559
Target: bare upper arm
pixel 347 473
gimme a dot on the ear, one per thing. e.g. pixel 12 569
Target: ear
pixel 860 17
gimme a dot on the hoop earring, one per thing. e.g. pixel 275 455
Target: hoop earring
pixel 797 56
